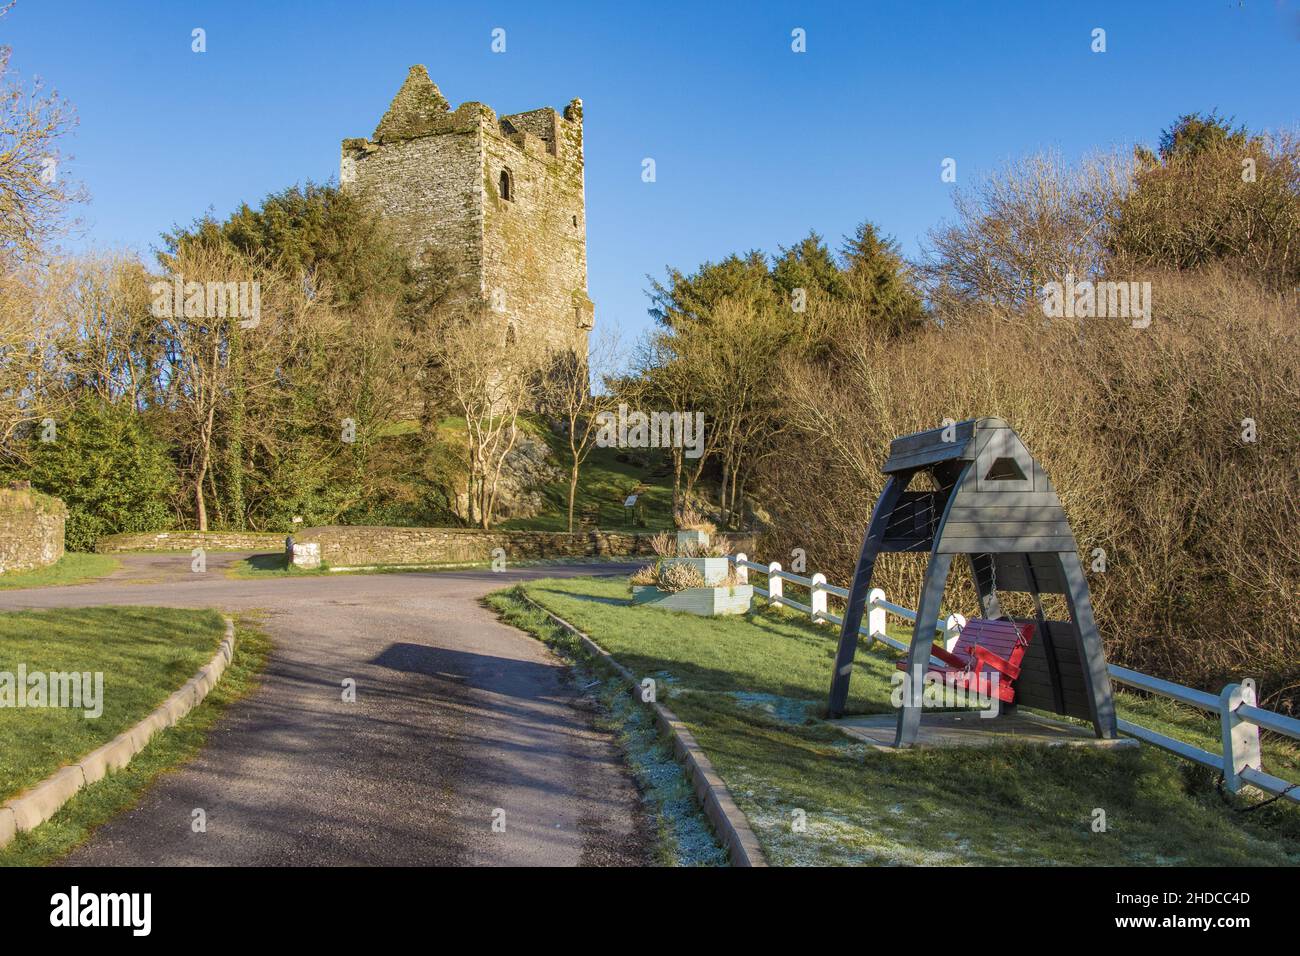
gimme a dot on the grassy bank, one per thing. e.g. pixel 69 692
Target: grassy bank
pixel 73 568
pixel 604 481
pixel 752 690
pixel 98 803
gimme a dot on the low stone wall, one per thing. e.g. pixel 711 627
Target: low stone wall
pixel 351 546
pixel 31 529
pixel 189 540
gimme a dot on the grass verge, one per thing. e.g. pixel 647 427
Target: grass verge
pixel 98 803
pixel 683 834
pixel 73 568
pixel 144 654
pixel 752 689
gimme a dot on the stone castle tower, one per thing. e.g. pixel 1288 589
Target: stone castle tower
pixel 503 196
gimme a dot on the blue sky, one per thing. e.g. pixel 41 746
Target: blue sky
pixel 753 143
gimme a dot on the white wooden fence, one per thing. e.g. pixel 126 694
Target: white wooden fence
pixel 1239 719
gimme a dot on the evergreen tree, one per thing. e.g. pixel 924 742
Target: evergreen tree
pixel 807 265
pixel 108 468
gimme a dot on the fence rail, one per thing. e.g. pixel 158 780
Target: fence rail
pixel 1240 720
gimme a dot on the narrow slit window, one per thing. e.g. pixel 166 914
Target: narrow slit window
pixel 504 186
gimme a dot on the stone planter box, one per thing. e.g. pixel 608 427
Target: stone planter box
pixel 706 602
pixel 694 539
pixel 713 570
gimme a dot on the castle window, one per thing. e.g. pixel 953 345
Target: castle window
pixel 505 185
pixel 575 222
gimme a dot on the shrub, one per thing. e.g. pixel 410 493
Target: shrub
pixel 1141 433
pixel 113 475
pixel 678 576
pixel 1213 194
pixel 692 520
pixel 663 544
pixel 645 576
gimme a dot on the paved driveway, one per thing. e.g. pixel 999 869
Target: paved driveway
pixel 458 718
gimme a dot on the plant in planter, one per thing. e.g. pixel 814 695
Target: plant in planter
pixel 693 529
pixel 691 576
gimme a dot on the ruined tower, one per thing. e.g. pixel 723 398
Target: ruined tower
pixel 503 196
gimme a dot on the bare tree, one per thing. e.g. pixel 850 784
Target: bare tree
pixel 489 374
pixel 1033 221
pixel 661 381
pixel 197 376
pixel 733 362
pixel 34 191
pixel 568 394
pixel 31 362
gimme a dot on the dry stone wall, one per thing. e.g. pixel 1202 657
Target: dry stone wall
pixel 189 540
pixel 31 529
pixel 351 546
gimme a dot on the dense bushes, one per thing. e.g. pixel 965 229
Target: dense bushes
pixel 113 475
pixel 296 411
pixel 1173 446
pixel 1141 432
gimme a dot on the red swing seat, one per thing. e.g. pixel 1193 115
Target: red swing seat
pixel 984 647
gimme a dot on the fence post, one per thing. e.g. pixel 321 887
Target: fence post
pixel 876 620
pixel 774 593
pixel 952 631
pixel 817 600
pixel 742 572
pixel 1240 737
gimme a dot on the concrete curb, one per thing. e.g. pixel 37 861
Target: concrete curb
pixel 34 806
pixel 730 823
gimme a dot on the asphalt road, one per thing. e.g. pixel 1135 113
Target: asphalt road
pixel 458 721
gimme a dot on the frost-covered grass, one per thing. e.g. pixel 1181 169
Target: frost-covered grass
pixel 683 835
pixel 752 691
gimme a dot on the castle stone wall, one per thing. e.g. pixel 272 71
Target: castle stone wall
pixel 535 243
pixel 429 190
pixel 434 174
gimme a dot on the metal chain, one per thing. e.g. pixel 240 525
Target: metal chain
pixel 1254 806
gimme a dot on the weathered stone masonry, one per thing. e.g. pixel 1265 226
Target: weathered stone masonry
pixel 31 529
pixel 354 546
pixel 503 197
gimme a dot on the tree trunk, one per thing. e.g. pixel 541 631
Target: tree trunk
pixel 234 456
pixel 677 481
pixel 205 458
pixel 200 507
pixel 491 498
pixel 722 492
pixel 573 492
